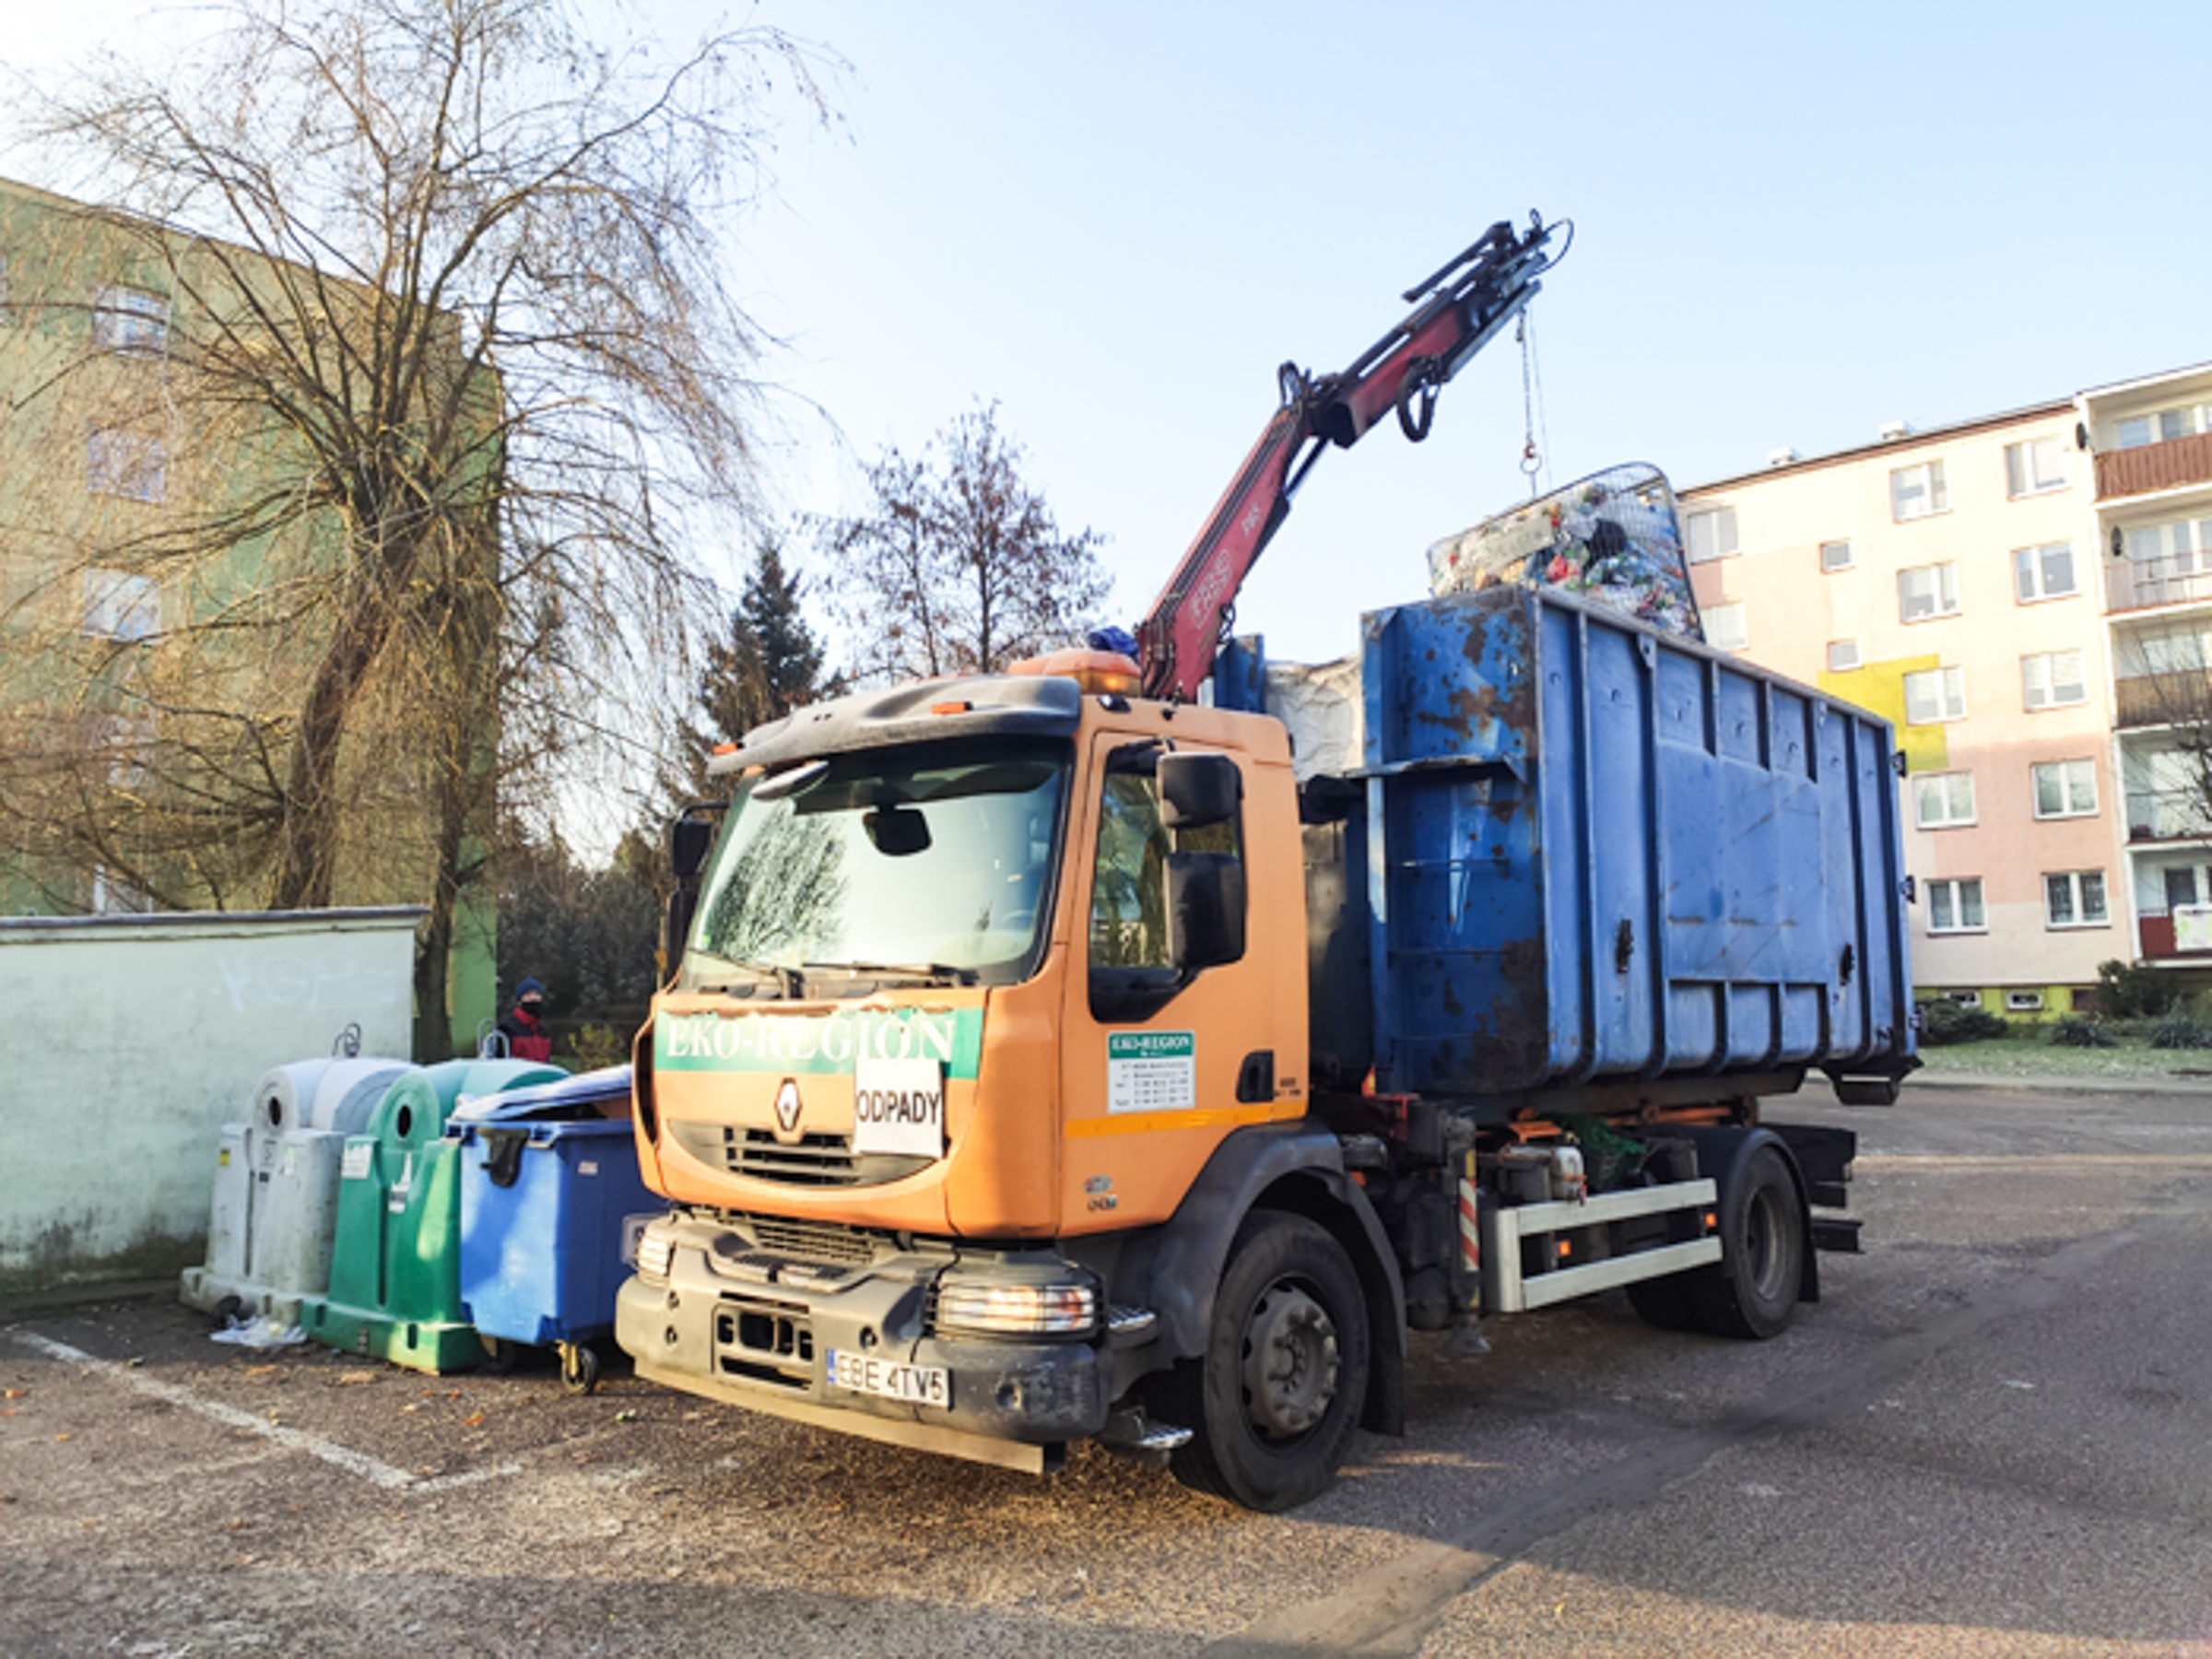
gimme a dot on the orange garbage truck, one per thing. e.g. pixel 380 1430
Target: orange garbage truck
pixel 1048 1056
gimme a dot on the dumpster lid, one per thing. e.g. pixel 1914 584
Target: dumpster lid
pixel 584 1096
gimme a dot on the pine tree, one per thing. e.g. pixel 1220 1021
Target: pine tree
pixel 767 665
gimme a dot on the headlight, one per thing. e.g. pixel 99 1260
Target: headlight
pixel 1001 1308
pixel 654 1250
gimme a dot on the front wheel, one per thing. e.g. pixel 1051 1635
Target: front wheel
pixel 1753 1290
pixel 1272 1404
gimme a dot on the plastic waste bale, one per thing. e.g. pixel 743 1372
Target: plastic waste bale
pixel 1613 538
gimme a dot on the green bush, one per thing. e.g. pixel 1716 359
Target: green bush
pixel 2179 1030
pixel 1943 1021
pixel 2082 1030
pixel 2129 991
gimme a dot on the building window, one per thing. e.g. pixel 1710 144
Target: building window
pixel 2163 427
pixel 1712 536
pixel 2023 1001
pixel 1926 591
pixel 1725 626
pixel 1934 694
pixel 130 319
pixel 2181 548
pixel 2053 680
pixel 1943 800
pixel 2075 898
pixel 1842 655
pixel 2032 467
pixel 2065 789
pixel 2044 573
pixel 123 463
pixel 1955 906
pixel 1836 556
pixel 1917 491
pixel 120 605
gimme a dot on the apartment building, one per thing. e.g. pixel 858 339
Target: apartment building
pixel 147 662
pixel 2151 443
pixel 1951 579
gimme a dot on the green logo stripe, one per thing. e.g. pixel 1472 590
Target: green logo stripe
pixel 802 1045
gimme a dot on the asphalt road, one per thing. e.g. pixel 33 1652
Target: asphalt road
pixel 1993 1436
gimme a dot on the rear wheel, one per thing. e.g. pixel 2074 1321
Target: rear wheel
pixel 1753 1291
pixel 1273 1402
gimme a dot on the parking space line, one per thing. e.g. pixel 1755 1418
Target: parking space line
pixel 372 1470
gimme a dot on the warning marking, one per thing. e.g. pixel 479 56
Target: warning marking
pixel 376 1472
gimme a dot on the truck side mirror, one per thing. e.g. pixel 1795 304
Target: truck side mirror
pixel 1197 789
pixel 1205 909
pixel 689 840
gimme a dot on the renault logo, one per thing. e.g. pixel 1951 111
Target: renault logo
pixel 787 1110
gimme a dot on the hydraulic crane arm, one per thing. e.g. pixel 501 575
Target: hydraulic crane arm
pixel 1456 312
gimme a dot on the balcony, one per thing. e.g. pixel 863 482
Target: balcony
pixel 2155 942
pixel 2168 815
pixel 2179 698
pixel 2174 465
pixel 2182 580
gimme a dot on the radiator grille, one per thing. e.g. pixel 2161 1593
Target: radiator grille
pixel 812 1160
pixel 813 1241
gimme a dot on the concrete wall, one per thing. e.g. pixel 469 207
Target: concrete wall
pixel 127 1042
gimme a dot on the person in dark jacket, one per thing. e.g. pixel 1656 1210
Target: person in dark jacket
pixel 524 1030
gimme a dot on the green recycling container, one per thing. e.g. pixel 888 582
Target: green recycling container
pixel 396 1260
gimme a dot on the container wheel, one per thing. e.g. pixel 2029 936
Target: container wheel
pixel 579 1367
pixel 501 1357
pixel 1753 1291
pixel 1272 1404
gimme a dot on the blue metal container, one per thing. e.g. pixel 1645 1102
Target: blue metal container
pixel 1580 850
pixel 548 1184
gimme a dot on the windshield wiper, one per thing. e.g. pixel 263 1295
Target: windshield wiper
pixel 786 980
pixel 931 972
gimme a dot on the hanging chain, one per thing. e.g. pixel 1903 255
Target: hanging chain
pixel 1532 459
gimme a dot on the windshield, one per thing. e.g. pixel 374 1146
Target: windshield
pixel 928 862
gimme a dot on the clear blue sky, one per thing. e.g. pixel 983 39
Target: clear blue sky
pixel 1793 224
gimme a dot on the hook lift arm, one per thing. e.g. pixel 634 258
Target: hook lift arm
pixel 1457 311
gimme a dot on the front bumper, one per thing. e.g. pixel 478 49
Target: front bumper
pixel 738 1319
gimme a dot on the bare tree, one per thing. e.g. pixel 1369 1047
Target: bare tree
pixel 957 566
pixel 449 359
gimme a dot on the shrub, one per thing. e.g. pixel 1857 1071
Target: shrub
pixel 1944 1021
pixel 2080 1030
pixel 596 1046
pixel 2127 990
pixel 2179 1030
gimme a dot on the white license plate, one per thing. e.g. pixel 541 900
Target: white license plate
pixel 916 1384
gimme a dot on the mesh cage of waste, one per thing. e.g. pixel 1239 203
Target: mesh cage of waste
pixel 395 1269
pixel 551 1204
pixel 275 1205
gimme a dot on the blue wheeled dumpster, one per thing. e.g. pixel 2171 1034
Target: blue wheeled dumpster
pixel 551 1200
pixel 396 1261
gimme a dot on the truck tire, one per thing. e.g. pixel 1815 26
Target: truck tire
pixel 1753 1290
pixel 1272 1404
pixel 1664 1303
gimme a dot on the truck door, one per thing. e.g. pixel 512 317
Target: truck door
pixel 1176 1021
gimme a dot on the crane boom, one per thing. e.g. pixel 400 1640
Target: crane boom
pixel 1457 310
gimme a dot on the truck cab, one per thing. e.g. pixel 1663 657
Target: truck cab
pixel 980 978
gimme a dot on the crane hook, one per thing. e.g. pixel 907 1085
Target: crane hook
pixel 1420 383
